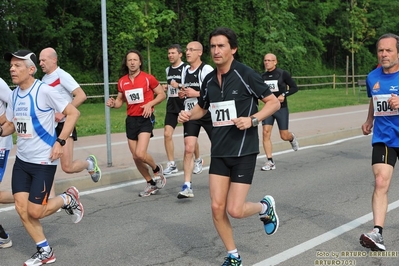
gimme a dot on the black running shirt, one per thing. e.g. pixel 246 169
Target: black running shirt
pixel 241 88
pixel 174 104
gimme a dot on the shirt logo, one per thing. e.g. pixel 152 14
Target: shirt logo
pixel 235 92
pixel 393 88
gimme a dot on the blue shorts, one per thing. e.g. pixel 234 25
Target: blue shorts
pixel 36 179
pixel 3 162
pixel 239 169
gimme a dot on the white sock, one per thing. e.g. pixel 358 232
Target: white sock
pixel 233 252
pixel 264 208
pixel 91 166
pixel 172 162
pixel 188 184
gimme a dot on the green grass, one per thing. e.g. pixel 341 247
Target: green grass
pixel 92 118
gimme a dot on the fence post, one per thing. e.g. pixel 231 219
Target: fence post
pixel 334 81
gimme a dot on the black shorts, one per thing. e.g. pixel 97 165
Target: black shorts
pixel 281 116
pixel 192 128
pixel 36 179
pixel 171 119
pixel 59 128
pixel 383 154
pixel 139 124
pixel 239 169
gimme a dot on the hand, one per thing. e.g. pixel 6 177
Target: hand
pixel 366 128
pixel 147 110
pixel 59 117
pixel 111 102
pixel 184 116
pixel 56 152
pixel 394 101
pixel 242 123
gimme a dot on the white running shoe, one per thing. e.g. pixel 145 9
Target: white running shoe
pixel 186 192
pixel 41 257
pixel 373 241
pixel 74 207
pixel 294 143
pixel 269 165
pixel 171 168
pixel 5 243
pixel 198 163
pixel 159 177
pixel 148 191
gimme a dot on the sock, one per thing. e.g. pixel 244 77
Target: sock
pixel 188 184
pixel 379 229
pixel 270 159
pixel 156 170
pixel 3 233
pixel 198 159
pixel 66 198
pixel 91 166
pixel 264 207
pixel 233 252
pixel 44 245
pixel 151 182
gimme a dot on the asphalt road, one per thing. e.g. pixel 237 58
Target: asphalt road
pixel 322 194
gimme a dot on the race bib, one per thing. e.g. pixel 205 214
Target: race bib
pixel 189 103
pixel 134 96
pixel 222 113
pixel 23 126
pixel 273 85
pixel 381 106
pixel 173 92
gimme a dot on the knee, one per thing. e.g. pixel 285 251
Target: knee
pixel 167 135
pixel 139 156
pixel 218 211
pixel 235 212
pixel 189 148
pixel 381 183
pixel 66 167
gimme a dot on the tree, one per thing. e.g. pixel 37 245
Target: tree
pixel 360 31
pixel 146 18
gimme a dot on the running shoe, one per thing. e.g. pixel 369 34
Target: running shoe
pixel 372 240
pixel 148 191
pixel 96 172
pixel 198 163
pixel 74 207
pixel 159 177
pixel 41 257
pixel 231 260
pixel 269 165
pixel 186 192
pixel 5 243
pixel 294 143
pixel 269 218
pixel 171 168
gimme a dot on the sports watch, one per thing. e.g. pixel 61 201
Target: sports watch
pixel 255 121
pixel 61 141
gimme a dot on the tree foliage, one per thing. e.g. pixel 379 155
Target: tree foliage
pixel 308 37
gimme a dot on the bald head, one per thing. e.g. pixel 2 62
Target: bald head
pixel 193 53
pixel 48 60
pixel 270 62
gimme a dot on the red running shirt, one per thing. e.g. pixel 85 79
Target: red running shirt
pixel 137 93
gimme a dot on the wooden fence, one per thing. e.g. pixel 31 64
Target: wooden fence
pixel 303 82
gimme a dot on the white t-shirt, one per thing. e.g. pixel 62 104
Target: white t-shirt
pixel 5 91
pixel 32 112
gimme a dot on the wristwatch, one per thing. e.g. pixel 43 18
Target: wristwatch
pixel 283 94
pixel 61 141
pixel 255 121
